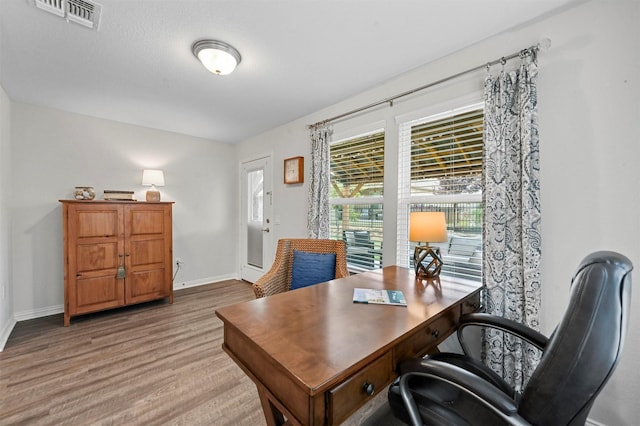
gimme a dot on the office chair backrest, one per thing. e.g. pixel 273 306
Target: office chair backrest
pixel 585 347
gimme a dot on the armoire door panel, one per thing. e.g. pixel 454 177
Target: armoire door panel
pixel 99 223
pixel 97 293
pixel 98 256
pixel 146 285
pixel 146 252
pixel 145 222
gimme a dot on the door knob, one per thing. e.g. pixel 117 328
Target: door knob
pixel 265 230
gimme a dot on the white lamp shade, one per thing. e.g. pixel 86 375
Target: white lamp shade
pixel 428 227
pixel 152 177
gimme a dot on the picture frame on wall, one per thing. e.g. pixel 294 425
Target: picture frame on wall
pixel 294 170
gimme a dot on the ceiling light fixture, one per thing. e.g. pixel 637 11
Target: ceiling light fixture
pixel 216 56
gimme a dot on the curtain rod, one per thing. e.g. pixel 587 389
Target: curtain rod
pixel 542 45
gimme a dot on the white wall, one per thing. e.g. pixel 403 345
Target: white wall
pixel 53 151
pixel 6 289
pixel 589 119
pixel 590 175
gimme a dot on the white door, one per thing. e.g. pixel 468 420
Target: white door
pixel 256 224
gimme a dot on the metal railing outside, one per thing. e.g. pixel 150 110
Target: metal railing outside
pixel 462 253
pixel 360 226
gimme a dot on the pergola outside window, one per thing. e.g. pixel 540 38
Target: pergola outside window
pixel 357 175
pixel 440 169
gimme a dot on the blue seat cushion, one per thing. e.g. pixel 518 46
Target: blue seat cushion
pixel 312 268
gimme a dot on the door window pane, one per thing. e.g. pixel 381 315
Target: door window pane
pixel 255 217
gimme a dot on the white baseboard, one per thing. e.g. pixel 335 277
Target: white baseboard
pixel 202 281
pixel 6 332
pixel 39 313
pixel 58 309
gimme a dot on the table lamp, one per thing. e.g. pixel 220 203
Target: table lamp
pixel 152 178
pixel 427 227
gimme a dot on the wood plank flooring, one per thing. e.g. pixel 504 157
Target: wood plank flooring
pixel 150 364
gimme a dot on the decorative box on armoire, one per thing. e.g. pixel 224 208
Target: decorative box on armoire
pixel 116 253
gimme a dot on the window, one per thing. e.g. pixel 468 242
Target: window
pixel 440 169
pixel 255 204
pixel 357 175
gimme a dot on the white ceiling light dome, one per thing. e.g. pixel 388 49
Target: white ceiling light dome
pixel 217 56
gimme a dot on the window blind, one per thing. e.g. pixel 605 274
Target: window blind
pixel 440 164
pixel 357 166
pixel 357 177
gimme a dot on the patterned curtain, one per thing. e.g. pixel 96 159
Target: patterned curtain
pixel 318 215
pixel 512 217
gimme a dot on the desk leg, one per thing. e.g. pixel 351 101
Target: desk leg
pixel 273 416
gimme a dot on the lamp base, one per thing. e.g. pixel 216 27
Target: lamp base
pixel 153 196
pixel 433 261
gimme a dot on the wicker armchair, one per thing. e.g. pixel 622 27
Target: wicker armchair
pixel 278 279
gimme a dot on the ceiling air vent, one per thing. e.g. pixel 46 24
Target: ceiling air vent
pixel 83 12
pixel 54 6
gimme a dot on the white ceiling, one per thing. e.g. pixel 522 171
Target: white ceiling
pixel 298 56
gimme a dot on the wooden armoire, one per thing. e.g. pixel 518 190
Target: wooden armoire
pixel 116 253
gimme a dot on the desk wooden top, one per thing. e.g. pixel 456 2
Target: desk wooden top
pixel 319 336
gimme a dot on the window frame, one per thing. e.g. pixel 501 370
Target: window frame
pixel 404 198
pixel 367 200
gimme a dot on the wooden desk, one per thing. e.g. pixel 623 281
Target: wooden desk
pixel 316 357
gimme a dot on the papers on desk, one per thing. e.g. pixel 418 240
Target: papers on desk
pixel 380 297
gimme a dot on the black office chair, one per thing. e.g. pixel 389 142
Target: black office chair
pixel 576 362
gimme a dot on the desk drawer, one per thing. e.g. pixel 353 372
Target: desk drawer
pixel 345 398
pixel 426 339
pixel 472 304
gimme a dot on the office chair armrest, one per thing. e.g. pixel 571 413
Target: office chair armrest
pixel 512 327
pixel 474 386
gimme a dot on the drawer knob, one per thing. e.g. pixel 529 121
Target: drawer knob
pixel 435 333
pixel 369 388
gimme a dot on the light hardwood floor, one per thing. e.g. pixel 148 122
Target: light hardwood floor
pixel 150 364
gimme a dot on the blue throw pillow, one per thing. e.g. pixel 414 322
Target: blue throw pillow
pixel 312 268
